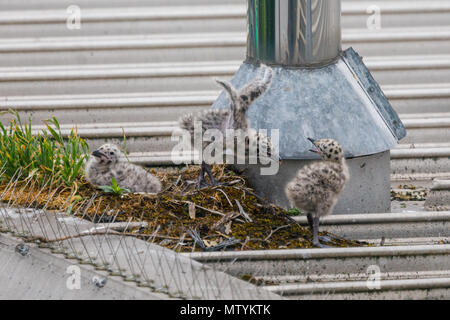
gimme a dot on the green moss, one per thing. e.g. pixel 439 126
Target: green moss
pixel 294 212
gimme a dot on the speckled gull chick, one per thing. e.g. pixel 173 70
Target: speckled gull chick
pixel 317 187
pixel 231 118
pixel 108 162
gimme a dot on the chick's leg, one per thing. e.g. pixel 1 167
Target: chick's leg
pixel 316 242
pixel 201 178
pixel 311 228
pixel 310 221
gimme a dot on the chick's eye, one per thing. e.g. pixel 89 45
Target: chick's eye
pixel 111 153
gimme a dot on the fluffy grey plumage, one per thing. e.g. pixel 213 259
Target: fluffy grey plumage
pixel 108 162
pixel 232 118
pixel 240 100
pixel 316 187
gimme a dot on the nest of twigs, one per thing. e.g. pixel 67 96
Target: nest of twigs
pixel 229 217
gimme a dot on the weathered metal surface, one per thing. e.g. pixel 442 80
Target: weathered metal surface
pixel 373 90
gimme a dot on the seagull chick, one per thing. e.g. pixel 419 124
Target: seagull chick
pixel 317 187
pixel 232 118
pixel 108 162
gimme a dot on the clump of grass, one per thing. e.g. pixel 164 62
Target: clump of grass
pixel 294 212
pixel 114 188
pixel 45 156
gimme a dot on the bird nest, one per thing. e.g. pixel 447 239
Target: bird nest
pixel 228 217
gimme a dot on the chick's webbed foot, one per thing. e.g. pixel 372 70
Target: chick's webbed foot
pixel 325 239
pixel 202 183
pixel 206 168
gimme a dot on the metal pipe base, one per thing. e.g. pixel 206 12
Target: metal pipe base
pixel 367 191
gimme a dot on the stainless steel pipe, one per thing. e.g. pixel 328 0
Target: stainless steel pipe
pixel 294 32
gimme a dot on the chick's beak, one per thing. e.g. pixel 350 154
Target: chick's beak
pixel 316 150
pixel 97 154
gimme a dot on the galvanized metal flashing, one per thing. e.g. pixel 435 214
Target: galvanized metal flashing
pixel 340 100
pixel 354 61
